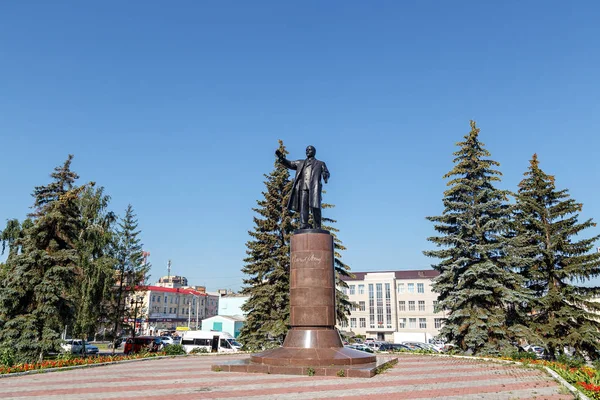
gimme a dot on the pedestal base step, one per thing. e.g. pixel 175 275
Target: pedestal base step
pixel 298 356
pixel 367 370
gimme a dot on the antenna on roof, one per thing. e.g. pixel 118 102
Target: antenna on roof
pixel 169 269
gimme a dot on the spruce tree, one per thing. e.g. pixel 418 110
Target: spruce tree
pixel 36 301
pixel 343 306
pixel 268 264
pixel 477 287
pixel 563 312
pixel 95 264
pixel 130 270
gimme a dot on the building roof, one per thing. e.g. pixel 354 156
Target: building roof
pixel 412 274
pixel 172 290
pixel 231 317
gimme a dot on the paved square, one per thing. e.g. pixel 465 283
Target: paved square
pixel 414 377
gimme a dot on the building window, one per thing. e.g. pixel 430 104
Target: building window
pixel 412 323
pixel 421 305
pixel 420 288
pixel 388 306
pixel 400 288
pixel 352 289
pixel 345 290
pixel 423 323
pixel 379 287
pixel 435 306
pixel 158 298
pixel 411 306
pixel 402 323
pixel 411 288
pixel 361 306
pixel 402 305
pixel 363 322
pixel 344 324
pixel 153 298
pixel 438 322
pixel 165 310
pixel 352 322
pixel 361 289
pixel 371 306
pixel 166 298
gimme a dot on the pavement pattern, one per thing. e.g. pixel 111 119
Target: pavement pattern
pixel 414 377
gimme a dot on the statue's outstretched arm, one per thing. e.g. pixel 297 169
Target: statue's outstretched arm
pixel 281 158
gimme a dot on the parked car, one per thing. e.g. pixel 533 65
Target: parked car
pixel 141 343
pixel 422 346
pixel 75 346
pixel 360 347
pixel 167 340
pixel 538 350
pixel 393 347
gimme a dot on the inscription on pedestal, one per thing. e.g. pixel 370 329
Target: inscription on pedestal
pixel 310 260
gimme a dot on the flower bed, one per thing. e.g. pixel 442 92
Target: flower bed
pixel 72 362
pixel 584 378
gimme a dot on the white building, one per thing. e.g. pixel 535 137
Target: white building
pixel 231 324
pixel 231 303
pixel 394 301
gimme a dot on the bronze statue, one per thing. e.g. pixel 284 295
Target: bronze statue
pixel 306 192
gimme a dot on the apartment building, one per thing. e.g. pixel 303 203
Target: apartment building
pixel 393 301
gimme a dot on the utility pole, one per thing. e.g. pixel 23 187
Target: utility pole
pixel 197 299
pixel 189 312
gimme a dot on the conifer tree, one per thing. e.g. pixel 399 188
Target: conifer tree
pixel 36 301
pixel 130 271
pixel 268 264
pixel 563 312
pixel 94 246
pixel 476 286
pixel 343 305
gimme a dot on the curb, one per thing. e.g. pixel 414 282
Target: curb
pixel 572 389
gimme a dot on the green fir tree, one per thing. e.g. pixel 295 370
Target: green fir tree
pixel 36 297
pixel 564 313
pixel 94 246
pixel 477 287
pixel 268 264
pixel 343 306
pixel 131 273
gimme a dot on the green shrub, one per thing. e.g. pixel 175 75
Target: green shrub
pixel 7 356
pixel 571 362
pixel 199 350
pixel 310 371
pixel 174 350
pixel 341 373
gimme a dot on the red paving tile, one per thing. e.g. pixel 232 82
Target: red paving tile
pixel 414 377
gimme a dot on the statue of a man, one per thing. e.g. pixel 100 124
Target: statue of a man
pixel 306 192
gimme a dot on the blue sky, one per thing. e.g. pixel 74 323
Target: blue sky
pixel 176 108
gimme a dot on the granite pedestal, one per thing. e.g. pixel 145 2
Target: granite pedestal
pixel 312 342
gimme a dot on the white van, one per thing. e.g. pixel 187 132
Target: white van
pixel 213 342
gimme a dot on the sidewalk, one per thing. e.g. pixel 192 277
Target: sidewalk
pixel 414 377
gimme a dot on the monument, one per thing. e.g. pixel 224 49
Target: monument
pixel 312 345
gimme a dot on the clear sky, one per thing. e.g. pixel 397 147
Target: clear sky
pixel 176 107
